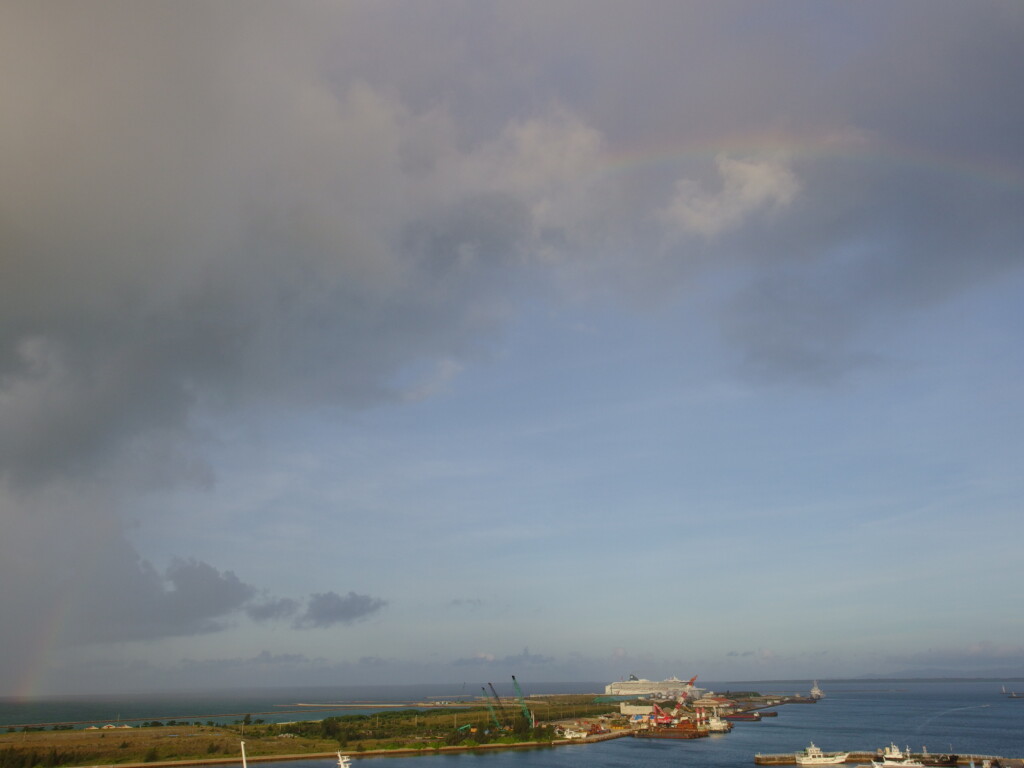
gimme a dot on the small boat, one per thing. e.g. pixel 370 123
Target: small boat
pixel 816 692
pixel 893 757
pixel 814 756
pixel 946 760
pixel 715 724
pixel 344 761
pixel 573 733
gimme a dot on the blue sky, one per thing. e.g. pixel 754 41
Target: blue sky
pixel 379 342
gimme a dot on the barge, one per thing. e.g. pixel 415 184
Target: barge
pixel 679 731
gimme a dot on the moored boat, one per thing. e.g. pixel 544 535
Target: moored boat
pixel 814 756
pixel 939 761
pixel 715 724
pixel 894 757
pixel 743 716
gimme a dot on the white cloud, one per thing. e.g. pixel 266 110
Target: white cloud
pixel 748 186
pixel 551 163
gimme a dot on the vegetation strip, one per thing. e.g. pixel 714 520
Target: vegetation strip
pixel 388 732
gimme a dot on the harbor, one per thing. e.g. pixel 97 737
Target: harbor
pixel 975 721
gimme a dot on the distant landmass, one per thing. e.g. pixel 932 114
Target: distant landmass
pixel 912 676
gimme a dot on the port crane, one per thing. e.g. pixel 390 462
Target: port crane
pixel 497 700
pixel 660 716
pixel 490 709
pixel 522 703
pixel 680 706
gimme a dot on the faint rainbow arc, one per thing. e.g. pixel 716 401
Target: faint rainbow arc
pixel 798 149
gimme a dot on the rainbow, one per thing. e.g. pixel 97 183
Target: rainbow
pixel 848 146
pixel 32 680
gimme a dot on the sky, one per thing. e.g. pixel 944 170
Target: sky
pixel 380 342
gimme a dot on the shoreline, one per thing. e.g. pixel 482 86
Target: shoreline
pixel 1005 762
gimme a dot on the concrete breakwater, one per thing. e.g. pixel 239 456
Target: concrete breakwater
pixel 865 758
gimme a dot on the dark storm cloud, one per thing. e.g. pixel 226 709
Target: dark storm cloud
pixel 193 219
pixel 329 608
pixel 177 236
pixel 174 237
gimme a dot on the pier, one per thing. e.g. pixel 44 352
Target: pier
pixel 790 758
pixel 865 758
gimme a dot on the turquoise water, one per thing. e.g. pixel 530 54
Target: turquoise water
pixel 272 705
pixel 963 717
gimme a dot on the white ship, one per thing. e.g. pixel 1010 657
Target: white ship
pixel 816 692
pixel 715 724
pixel 672 688
pixel 814 756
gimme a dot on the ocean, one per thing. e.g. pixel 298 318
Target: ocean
pixel 966 717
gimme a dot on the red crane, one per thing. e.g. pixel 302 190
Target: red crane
pixel 660 716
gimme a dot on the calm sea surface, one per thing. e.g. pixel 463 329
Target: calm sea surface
pixel 963 717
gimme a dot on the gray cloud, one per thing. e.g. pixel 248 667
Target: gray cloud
pixel 819 295
pixel 176 243
pixel 190 598
pixel 329 608
pixel 126 598
pixel 512 662
pixel 201 589
pixel 168 248
pixel 219 259
pixel 320 610
pixel 273 609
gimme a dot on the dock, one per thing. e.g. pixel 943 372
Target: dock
pixel 865 758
